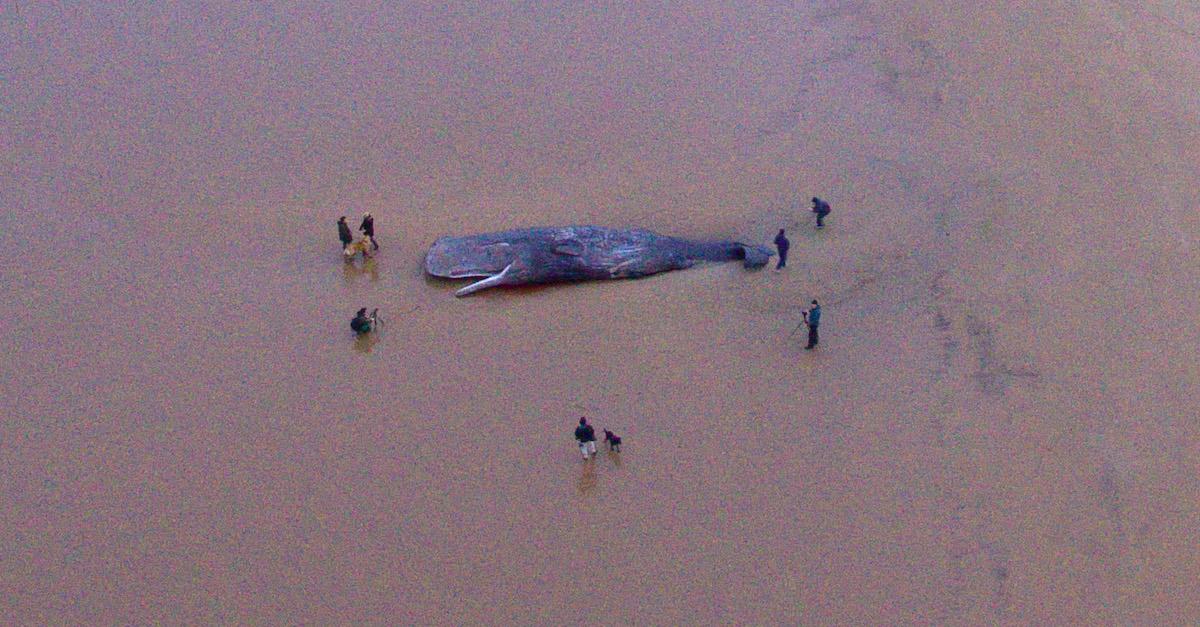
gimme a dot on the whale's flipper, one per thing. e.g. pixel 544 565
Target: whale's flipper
pixel 756 256
pixel 492 281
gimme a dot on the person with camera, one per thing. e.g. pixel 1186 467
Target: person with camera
pixel 812 318
pixel 362 323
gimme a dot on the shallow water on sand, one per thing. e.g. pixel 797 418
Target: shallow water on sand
pixel 997 426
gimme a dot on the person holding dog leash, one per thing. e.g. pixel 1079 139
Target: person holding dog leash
pixel 368 229
pixel 586 436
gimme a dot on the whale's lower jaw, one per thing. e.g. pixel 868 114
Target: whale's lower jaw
pixel 492 281
pixel 463 275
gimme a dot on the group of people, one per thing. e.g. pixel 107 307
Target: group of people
pixel 585 435
pixel 361 323
pixel 819 207
pixel 367 227
pixel 812 316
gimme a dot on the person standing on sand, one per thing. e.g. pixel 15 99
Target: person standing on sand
pixel 782 244
pixel 344 232
pixel 586 436
pixel 821 208
pixel 812 318
pixel 368 228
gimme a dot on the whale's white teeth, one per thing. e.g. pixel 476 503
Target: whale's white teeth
pixel 494 280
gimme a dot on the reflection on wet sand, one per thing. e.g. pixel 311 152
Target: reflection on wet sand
pixel 587 481
pixel 365 342
pixel 354 271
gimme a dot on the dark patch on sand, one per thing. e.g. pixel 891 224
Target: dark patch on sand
pixel 976 556
pixel 943 326
pixel 829 11
pixel 991 373
pixel 998 560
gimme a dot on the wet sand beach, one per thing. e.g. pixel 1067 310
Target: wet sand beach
pixel 998 427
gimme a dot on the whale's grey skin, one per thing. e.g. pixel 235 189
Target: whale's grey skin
pixel 574 253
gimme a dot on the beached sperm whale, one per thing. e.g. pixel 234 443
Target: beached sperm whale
pixel 574 253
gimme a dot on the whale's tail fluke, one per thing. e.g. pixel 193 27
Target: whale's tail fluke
pixel 492 281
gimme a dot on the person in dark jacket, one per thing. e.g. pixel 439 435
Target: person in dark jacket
pixel 782 244
pixel 812 318
pixel 586 436
pixel 821 208
pixel 362 323
pixel 368 228
pixel 344 233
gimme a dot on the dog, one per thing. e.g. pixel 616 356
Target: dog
pixel 613 440
pixel 360 245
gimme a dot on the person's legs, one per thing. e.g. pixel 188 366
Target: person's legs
pixel 812 337
pixel 820 220
pixel 592 447
pixel 782 259
pixel 583 449
pixel 374 244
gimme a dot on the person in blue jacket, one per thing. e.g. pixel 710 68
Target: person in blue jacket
pixel 812 318
pixel 821 208
pixel 782 244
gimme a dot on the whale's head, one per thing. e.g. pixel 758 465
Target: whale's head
pixel 466 257
pixel 471 257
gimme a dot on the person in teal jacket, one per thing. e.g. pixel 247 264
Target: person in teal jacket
pixel 362 323
pixel 812 318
